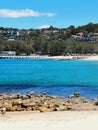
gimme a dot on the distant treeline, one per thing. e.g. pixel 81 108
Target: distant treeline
pixel 51 41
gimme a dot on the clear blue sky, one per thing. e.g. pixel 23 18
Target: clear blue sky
pixel 59 13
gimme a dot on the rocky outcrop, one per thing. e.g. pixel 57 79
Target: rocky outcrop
pixel 44 103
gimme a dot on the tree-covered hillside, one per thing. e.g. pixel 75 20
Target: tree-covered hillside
pixel 50 41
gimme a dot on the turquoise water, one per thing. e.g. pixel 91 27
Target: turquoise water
pixel 54 77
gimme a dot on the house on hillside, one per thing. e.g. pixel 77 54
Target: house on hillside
pixel 77 37
pixel 93 37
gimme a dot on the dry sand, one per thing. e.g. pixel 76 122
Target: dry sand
pixel 69 120
pixel 93 58
pixel 80 57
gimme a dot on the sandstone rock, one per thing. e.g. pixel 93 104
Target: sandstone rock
pixel 18 95
pixel 14 108
pixel 85 101
pixel 29 95
pixel 4 96
pixel 17 102
pixel 77 94
pixel 35 108
pixel 45 109
pixel 24 97
pixel 8 107
pixel 20 108
pixel 95 99
pixel 51 105
pixel 3 110
pixel 54 97
pixel 28 108
pixel 7 102
pixel 68 101
pixel 28 104
pixel 12 96
pixel 56 105
pixel 75 101
pixel 1 104
pixel 69 107
pixel 71 96
pixel 0 98
pixel 60 108
pixel 44 93
pixel 96 103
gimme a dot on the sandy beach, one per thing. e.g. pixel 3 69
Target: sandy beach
pixel 92 58
pixel 78 120
pixel 85 57
pixel 75 57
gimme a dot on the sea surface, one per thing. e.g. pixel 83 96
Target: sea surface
pixel 54 77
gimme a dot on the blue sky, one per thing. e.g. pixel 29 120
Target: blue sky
pixel 42 13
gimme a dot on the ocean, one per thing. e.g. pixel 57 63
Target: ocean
pixel 56 77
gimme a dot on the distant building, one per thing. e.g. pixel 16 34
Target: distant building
pixel 8 53
pixel 11 39
pixel 77 37
pixel 93 37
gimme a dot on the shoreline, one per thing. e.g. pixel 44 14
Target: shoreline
pixel 75 57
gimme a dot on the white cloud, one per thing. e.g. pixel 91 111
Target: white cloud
pixel 43 26
pixel 7 13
